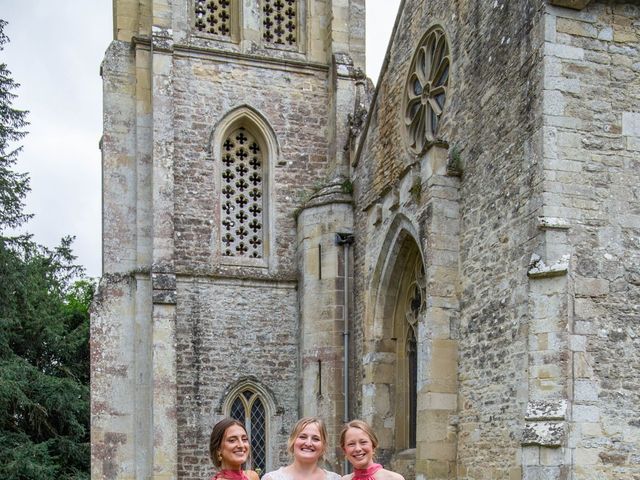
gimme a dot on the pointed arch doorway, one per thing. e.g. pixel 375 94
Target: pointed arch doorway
pixel 410 361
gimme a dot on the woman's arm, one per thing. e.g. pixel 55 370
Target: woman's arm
pixel 254 476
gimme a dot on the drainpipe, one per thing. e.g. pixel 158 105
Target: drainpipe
pixel 345 239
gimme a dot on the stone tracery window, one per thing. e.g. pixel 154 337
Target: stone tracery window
pixel 242 203
pixel 249 408
pixel 411 306
pixel 280 22
pixel 215 16
pixel 426 90
pixel 415 306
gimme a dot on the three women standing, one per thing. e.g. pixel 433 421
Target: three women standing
pixel 229 448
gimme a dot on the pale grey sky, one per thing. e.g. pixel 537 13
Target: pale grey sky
pixel 54 53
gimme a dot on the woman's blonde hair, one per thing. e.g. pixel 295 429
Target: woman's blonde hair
pixel 301 425
pixel 360 425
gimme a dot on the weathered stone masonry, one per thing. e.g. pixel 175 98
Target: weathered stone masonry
pixel 486 284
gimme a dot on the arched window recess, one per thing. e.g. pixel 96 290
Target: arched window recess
pixel 245 150
pixel 251 404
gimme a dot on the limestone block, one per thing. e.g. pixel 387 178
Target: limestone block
pixel 631 123
pixel 577 343
pixel 553 456
pixel 591 429
pixel 563 51
pixel 546 410
pixel 591 287
pixel 545 433
pixel 541 473
pixel 553 102
pixel 586 456
pixel 531 455
pixel 538 268
pixel 577 28
pixel 585 391
pixel 441 401
pixel 440 450
pixel 586 413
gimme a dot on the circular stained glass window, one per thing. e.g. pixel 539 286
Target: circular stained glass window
pixel 426 90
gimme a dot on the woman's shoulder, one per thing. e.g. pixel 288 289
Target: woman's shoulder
pixel 252 475
pixel 385 474
pixel 331 475
pixel 274 475
pixel 347 477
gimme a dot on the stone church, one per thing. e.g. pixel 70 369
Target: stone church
pixel 452 255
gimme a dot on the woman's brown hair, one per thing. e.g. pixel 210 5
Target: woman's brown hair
pixel 217 435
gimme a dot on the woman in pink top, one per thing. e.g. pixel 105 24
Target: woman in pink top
pixel 359 443
pixel 230 449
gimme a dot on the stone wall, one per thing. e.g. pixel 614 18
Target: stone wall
pixel 294 106
pixel 591 116
pixel 541 122
pixel 189 326
pixel 230 330
pixel 492 114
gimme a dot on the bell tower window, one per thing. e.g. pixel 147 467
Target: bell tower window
pixel 242 205
pixel 280 23
pixel 217 17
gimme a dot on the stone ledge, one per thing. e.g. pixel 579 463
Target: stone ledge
pixel 574 4
pixel 549 223
pixel 538 269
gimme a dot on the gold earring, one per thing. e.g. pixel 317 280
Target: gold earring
pixel 219 457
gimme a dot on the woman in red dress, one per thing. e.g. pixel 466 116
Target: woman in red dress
pixel 229 448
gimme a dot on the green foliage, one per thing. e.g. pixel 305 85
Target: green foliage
pixel 416 188
pixel 44 333
pixel 44 364
pixel 347 186
pixel 13 186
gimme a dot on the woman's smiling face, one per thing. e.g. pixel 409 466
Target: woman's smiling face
pixel 308 444
pixel 234 448
pixel 358 448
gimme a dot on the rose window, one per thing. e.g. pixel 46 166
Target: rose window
pixel 426 90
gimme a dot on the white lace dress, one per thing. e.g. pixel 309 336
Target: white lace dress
pixel 281 475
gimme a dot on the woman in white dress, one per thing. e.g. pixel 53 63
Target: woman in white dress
pixel 307 444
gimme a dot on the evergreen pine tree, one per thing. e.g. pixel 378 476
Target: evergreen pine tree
pixel 44 331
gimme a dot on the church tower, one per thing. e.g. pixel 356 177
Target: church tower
pixel 228 127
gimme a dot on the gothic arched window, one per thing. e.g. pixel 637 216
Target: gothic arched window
pixel 245 150
pixel 242 203
pixel 249 408
pixel 410 308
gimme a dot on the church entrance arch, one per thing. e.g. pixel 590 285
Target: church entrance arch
pixel 391 362
pixel 410 360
